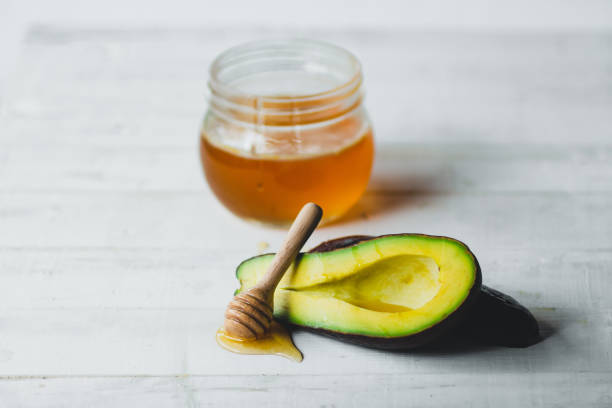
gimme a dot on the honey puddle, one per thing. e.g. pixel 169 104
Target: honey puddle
pixel 277 343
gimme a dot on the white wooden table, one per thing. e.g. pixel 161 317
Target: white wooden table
pixel 116 261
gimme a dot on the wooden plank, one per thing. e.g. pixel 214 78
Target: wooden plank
pixel 181 341
pixel 160 279
pixel 145 88
pixel 196 220
pixel 399 167
pixel 397 390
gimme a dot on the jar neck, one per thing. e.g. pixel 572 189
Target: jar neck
pixel 285 83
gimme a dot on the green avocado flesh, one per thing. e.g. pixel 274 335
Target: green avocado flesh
pixel 394 291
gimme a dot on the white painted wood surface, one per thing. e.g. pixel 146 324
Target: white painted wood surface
pixel 113 279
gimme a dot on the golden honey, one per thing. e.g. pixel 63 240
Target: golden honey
pixel 278 342
pixel 273 188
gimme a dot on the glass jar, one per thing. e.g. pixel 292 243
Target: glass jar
pixel 286 125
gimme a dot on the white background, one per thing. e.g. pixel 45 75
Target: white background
pixel 493 125
pixel 500 15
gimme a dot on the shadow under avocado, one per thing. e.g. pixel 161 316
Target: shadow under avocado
pixel 496 320
pixel 474 336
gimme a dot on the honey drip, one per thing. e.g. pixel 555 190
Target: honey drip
pixel 278 342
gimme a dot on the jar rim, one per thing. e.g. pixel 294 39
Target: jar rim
pixel 254 49
pixel 280 69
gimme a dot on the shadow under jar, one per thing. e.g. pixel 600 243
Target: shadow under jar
pixel 286 125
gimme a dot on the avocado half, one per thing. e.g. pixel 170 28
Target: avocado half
pixel 495 319
pixel 391 292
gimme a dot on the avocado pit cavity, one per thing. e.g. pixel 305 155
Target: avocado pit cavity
pixel 390 285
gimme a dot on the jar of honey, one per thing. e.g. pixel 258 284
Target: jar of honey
pixel 286 125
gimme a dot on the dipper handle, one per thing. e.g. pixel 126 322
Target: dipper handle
pixel 302 227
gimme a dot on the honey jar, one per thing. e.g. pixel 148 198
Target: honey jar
pixel 286 125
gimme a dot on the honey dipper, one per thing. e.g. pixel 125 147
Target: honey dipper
pixel 249 314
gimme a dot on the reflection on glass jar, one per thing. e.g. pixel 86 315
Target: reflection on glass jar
pixel 285 125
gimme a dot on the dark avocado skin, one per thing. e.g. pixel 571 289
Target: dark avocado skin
pixel 498 319
pixel 495 319
pixel 406 342
pixel 341 242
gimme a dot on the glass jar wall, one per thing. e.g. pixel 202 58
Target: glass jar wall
pixel 286 125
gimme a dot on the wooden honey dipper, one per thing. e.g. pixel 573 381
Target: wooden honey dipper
pixel 249 314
